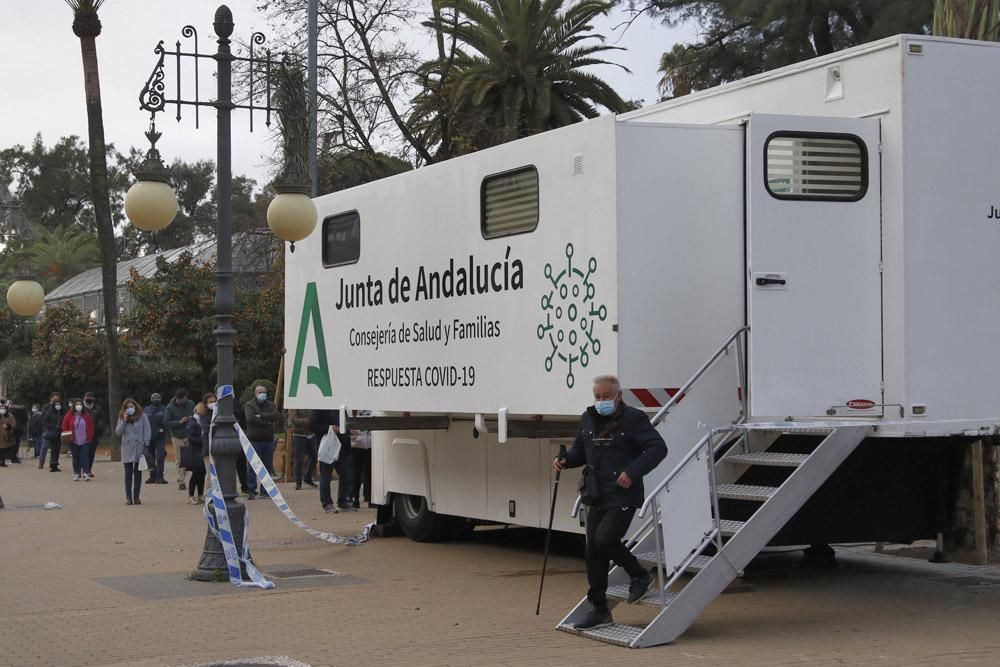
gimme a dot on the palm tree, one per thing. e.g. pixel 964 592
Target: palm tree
pixel 61 253
pixel 519 68
pixel 87 26
pixel 972 19
pixel 55 255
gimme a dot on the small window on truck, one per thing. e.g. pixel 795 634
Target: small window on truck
pixel 341 239
pixel 816 166
pixel 509 203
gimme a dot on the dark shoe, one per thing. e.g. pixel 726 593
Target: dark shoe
pixel 356 504
pixel 150 481
pixel 3 464
pixel 311 483
pixel 346 507
pixel 251 496
pixel 161 481
pixel 638 587
pixel 128 501
pixel 54 470
pixel 298 486
pixel 597 618
pixel 181 486
pixel 138 502
pixel 15 460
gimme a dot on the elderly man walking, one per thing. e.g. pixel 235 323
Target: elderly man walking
pixel 619 447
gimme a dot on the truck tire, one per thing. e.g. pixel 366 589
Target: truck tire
pixel 418 522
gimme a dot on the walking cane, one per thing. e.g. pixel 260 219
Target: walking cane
pixel 548 535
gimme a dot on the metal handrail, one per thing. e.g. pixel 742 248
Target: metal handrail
pixel 662 413
pixel 694 378
pixel 683 463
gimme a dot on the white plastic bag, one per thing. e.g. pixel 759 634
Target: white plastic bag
pixel 143 466
pixel 329 447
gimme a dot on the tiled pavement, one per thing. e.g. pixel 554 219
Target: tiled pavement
pixel 99 583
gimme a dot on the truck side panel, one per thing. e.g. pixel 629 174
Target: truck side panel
pixel 952 229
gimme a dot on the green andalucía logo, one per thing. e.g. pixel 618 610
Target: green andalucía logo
pixel 318 376
pixel 571 311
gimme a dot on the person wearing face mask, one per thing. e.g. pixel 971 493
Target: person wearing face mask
pixel 79 422
pixel 620 447
pixel 156 454
pixel 133 429
pixel 7 424
pixel 100 420
pixel 35 430
pixel 52 416
pixel 261 415
pixel 175 418
pixel 197 448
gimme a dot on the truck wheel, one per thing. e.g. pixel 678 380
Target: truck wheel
pixel 417 521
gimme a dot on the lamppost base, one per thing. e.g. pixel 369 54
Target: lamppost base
pixel 213 565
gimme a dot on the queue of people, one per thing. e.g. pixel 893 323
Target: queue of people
pixel 77 426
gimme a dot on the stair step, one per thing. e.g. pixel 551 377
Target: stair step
pixel 768 459
pixel 697 564
pixel 617 633
pixel 651 598
pixel 804 429
pixel 730 527
pixel 746 492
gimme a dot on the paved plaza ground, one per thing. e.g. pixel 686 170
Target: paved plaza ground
pixel 101 583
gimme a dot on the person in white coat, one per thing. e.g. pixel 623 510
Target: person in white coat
pixel 133 428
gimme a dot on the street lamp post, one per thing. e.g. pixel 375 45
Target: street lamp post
pixel 24 296
pixel 225 446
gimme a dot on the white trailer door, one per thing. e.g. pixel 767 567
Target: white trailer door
pixel 814 278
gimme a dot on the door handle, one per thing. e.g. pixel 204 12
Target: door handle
pixel 770 281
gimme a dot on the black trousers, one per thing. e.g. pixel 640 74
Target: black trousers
pixel 605 530
pixel 305 457
pixel 196 487
pixel 241 470
pixel 362 473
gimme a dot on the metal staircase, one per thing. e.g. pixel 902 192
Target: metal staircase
pixel 700 538
pixel 682 591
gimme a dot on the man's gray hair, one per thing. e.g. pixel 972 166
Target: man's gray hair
pixel 609 379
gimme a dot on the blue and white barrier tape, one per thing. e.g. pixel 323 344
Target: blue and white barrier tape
pixel 279 500
pixel 223 531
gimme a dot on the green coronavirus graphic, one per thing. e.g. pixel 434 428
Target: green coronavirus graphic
pixel 571 312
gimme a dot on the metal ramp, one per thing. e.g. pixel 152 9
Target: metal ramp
pixel 689 579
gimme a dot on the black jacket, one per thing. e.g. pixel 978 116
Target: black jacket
pixel 52 421
pixel 154 413
pixel 192 455
pixel 636 448
pixel 100 420
pixel 35 425
pixel 260 420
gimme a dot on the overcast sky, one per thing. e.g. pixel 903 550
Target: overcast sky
pixel 42 74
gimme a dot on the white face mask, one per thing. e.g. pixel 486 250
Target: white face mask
pixel 3 411
pixel 210 406
pixel 78 407
pixel 58 406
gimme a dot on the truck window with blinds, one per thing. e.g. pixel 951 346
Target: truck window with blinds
pixel 509 203
pixel 831 167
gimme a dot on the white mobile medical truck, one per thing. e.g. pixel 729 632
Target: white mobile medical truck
pixel 799 267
